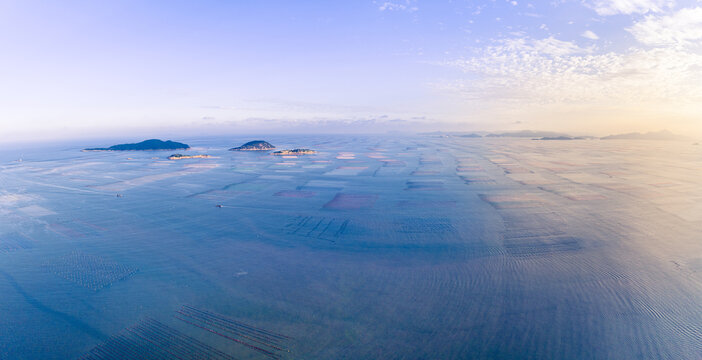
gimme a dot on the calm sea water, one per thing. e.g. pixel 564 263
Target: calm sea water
pixel 376 247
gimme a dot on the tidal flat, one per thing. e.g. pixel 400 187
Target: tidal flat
pixel 392 247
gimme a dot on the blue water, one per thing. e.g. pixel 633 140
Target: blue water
pixel 376 247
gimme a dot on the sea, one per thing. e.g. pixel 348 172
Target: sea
pixel 375 247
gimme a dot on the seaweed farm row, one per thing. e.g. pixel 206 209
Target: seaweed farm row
pixel 90 271
pixel 151 339
pixel 271 344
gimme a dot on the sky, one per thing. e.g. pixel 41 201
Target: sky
pixel 91 68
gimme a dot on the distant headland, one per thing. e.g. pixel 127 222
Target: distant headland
pixel 562 138
pixel 255 145
pixel 653 135
pixel 181 156
pixel 152 144
pixel 295 152
pixel 528 134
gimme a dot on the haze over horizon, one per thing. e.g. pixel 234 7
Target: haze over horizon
pixel 582 67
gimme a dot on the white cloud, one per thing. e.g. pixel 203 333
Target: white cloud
pixel 390 6
pixel 589 35
pixel 614 7
pixel 550 71
pixel 678 29
pixel 548 46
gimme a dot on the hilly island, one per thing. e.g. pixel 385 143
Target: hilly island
pixel 255 145
pixel 151 144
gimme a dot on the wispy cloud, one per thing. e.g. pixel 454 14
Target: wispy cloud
pixel 682 28
pixel 394 6
pixel 588 34
pixel 614 7
pixel 549 71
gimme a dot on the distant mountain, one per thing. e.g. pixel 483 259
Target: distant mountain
pixel 528 134
pixel 471 135
pixel 653 135
pixel 451 134
pixel 151 144
pixel 254 146
pixel 560 138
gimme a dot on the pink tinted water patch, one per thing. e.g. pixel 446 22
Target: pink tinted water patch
pixel 468 168
pixel 496 160
pixel 289 157
pixel 36 211
pixel 351 201
pixel 295 193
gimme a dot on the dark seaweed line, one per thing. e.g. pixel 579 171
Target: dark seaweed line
pixel 321 233
pixel 253 347
pixel 270 342
pixel 120 347
pixel 152 342
pixel 227 326
pixel 131 348
pixel 173 342
pixel 168 333
pixel 301 224
pixel 321 220
pixel 342 228
pixel 238 323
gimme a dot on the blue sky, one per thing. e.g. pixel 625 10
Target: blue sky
pixel 587 66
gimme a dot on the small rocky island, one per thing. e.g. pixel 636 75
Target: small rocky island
pixel 256 145
pixel 295 152
pixel 181 156
pixel 152 144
